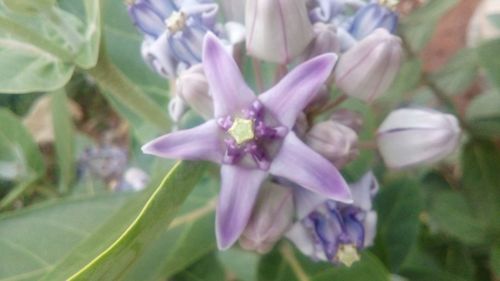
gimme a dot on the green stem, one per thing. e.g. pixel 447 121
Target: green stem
pixel 35 39
pixel 114 82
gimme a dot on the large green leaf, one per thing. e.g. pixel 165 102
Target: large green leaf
pixel 28 68
pixel 482 181
pixel 483 114
pixel 240 263
pixel 458 74
pixel 34 240
pixel 29 6
pixel 64 140
pixel 398 205
pixel 191 235
pixel 18 151
pixel 206 269
pixel 128 235
pixel 89 52
pixel 488 58
pixel 285 264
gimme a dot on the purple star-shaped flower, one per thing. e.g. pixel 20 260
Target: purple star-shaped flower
pixel 251 137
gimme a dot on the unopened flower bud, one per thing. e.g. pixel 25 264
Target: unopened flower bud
pixel 192 87
pixel 348 118
pixel 176 108
pixel 277 31
pixel 368 69
pixel 325 41
pixel 270 219
pixel 371 17
pixel 333 141
pixel 409 137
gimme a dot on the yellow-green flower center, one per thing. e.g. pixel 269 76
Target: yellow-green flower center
pixel 242 130
pixel 347 254
pixel 176 22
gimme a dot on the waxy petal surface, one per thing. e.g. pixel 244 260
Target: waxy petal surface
pixel 302 165
pixel 199 143
pixel 239 190
pixel 297 89
pixel 228 89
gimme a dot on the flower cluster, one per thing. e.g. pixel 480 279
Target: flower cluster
pixel 280 149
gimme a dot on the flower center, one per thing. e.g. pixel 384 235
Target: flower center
pixel 253 138
pixel 347 254
pixel 389 3
pixel 176 22
pixel 242 130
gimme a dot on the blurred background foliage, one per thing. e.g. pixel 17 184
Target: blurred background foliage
pixel 68 210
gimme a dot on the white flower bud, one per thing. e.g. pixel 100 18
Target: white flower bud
pixel 277 30
pixel 192 87
pixel 409 137
pixel 271 218
pixel 333 141
pixel 325 41
pixel 348 118
pixel 368 69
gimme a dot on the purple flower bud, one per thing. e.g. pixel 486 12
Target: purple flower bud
pixel 335 232
pixel 348 118
pixel 371 17
pixel 192 87
pixel 325 41
pixel 333 141
pixel 277 30
pixel 410 137
pixel 271 218
pixel 368 69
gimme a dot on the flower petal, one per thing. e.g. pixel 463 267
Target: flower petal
pixel 227 86
pixel 199 143
pixel 294 92
pixel 302 165
pixel 146 18
pixel 364 190
pixel 239 190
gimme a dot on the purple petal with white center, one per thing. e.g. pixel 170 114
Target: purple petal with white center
pixel 146 19
pixel 239 190
pixel 296 90
pixel 229 91
pixel 302 165
pixel 203 142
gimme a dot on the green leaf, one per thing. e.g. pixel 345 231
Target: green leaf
pixel 458 74
pixel 64 140
pixel 484 116
pixel 240 263
pixel 190 236
pixel 481 181
pixel 418 27
pixel 495 260
pixel 450 213
pixel 35 239
pixel 285 264
pixel 20 152
pixel 92 35
pixel 206 269
pixel 488 58
pixel 29 6
pixel 28 68
pixel 111 258
pixel 398 205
